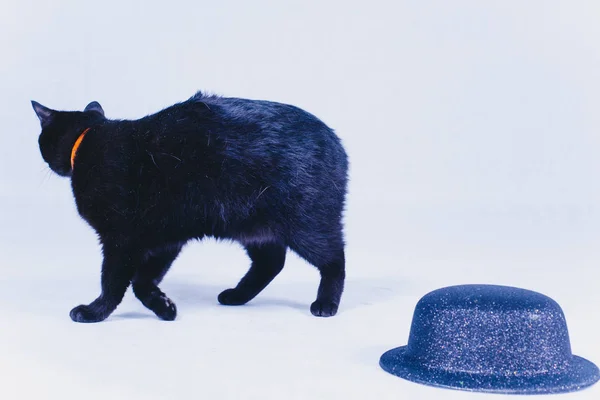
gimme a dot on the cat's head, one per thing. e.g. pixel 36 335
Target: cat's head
pixel 60 130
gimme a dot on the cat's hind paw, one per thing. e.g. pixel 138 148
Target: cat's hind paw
pixel 323 309
pixel 232 297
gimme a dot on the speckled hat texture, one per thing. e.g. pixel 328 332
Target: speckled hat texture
pixel 489 338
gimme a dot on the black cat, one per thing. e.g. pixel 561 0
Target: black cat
pixel 268 175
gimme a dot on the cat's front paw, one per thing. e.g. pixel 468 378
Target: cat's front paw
pixel 85 314
pixel 163 307
pixel 323 308
pixel 232 297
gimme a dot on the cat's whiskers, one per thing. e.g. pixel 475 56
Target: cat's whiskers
pixel 47 174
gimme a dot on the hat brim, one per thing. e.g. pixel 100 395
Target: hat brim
pixel 579 375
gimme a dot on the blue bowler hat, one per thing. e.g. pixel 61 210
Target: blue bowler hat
pixel 490 338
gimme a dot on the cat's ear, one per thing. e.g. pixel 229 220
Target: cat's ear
pixel 44 113
pixel 94 106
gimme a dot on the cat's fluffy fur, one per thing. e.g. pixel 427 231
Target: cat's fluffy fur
pixel 268 175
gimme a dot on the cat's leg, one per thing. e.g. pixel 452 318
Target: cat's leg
pixel 117 269
pixel 267 261
pixel 333 274
pixel 149 274
pixel 328 257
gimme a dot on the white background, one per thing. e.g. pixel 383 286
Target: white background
pixel 473 134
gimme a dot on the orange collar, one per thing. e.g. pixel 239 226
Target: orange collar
pixel 76 146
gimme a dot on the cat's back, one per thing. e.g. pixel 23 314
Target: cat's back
pixel 266 117
pixel 214 127
pixel 241 109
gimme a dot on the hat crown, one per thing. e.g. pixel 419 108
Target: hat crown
pixel 489 329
